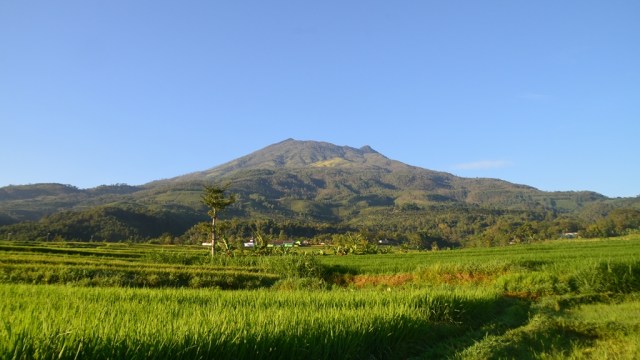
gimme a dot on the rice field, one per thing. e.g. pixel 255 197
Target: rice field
pixel 560 299
pixel 184 323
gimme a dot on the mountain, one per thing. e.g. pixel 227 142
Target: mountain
pixel 341 175
pixel 292 154
pixel 305 181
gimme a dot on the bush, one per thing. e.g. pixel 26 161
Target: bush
pixel 294 266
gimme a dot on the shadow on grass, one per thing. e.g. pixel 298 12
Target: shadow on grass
pixel 541 333
pixel 555 340
pixel 505 315
pixel 338 275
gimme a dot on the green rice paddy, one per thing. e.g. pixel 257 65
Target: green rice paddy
pixel 557 299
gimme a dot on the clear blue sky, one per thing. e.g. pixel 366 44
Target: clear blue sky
pixel 543 93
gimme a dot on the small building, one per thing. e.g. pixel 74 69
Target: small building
pixel 570 235
pixel 249 244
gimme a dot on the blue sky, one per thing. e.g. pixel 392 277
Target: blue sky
pixel 543 93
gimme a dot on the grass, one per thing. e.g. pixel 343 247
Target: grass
pixel 560 299
pixel 550 253
pixel 606 329
pixel 182 323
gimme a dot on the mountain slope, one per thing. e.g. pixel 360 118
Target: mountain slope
pixel 342 176
pixel 293 154
pixel 307 181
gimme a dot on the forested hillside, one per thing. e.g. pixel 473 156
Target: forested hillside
pixel 315 190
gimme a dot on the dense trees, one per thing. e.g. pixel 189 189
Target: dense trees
pixel 423 227
pixel 618 222
pixel 105 223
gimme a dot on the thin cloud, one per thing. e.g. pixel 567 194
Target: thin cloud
pixel 483 165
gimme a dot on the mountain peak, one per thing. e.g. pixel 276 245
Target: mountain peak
pixel 299 154
pixel 292 153
pixel 368 149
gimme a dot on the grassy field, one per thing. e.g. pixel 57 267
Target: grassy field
pixel 558 299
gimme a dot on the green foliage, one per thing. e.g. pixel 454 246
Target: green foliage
pixel 215 199
pixel 105 223
pixel 618 222
pixel 296 266
pixel 356 244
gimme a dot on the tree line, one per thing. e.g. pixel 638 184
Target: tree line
pixel 433 227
